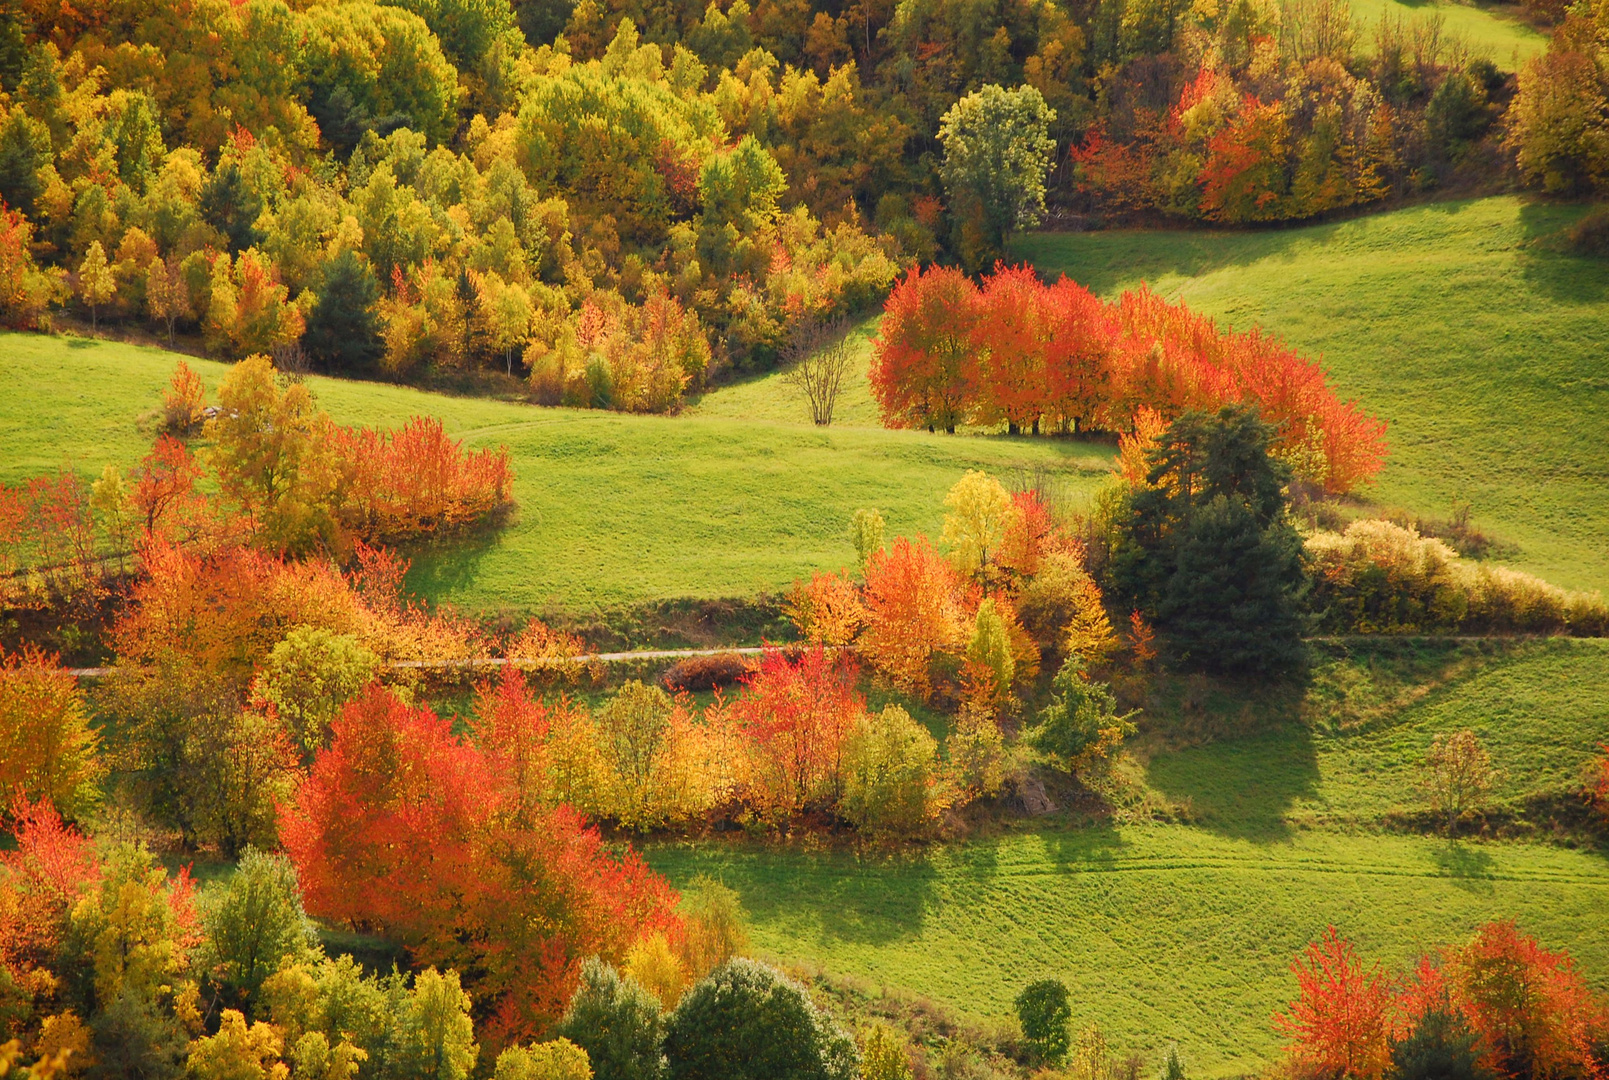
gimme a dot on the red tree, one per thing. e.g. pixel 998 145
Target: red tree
pixel 1010 338
pixel 1342 1021
pixel 796 715
pixel 403 827
pixel 914 608
pixel 922 372
pixel 1080 347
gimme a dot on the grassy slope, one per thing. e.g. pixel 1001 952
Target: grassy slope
pixel 1496 32
pixel 1184 932
pixel 612 509
pixel 1482 348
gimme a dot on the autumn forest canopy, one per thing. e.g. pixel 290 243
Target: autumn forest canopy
pixel 803 540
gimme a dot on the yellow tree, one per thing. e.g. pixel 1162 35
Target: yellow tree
pixel 979 510
pixel 167 297
pixel 96 283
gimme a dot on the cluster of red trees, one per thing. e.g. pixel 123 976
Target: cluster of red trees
pixel 1030 355
pixel 405 828
pixel 1524 1010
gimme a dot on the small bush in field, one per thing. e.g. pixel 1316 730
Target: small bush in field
pixel 714 672
pixel 184 402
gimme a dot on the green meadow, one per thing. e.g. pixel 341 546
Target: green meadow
pixel 1184 931
pixel 1459 323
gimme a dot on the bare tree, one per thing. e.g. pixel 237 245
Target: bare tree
pixel 817 357
pixel 1457 775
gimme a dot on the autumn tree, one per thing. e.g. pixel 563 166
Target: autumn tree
pixel 817 359
pixel 1456 774
pixel 826 611
pixel 796 715
pixel 1341 1021
pixel 1081 728
pixel 167 296
pixel 866 530
pixel 747 1021
pixel 96 285
pixel 309 676
pixel 923 371
pixel 979 511
pixel 891 773
pixel 1011 336
pixel 48 750
pixel 913 611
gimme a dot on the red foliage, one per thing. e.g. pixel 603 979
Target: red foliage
pixel 1031 534
pixel 403 827
pixel 165 497
pixel 416 481
pixel 796 715
pixel 51 867
pixel 1244 178
pixel 1060 353
pixel 1010 336
pixel 1534 1012
pixel 923 370
pixel 1342 1022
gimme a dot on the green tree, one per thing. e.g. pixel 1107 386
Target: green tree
pixel 617 1023
pixel 866 531
pixel 228 204
pixel 1080 727
pixel 309 675
pixel 560 1059
pixel 978 510
pixel 24 150
pixel 96 285
pixel 254 924
pixel 1172 1067
pixel 1046 1015
pixel 747 1021
pixel 1440 1046
pixel 1207 552
pixel 997 150
pixel 434 1035
pixel 343 329
pixel 890 766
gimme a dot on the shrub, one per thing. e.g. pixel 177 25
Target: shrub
pixel 1080 727
pixel 1046 1015
pixel 48 750
pixel 617 1023
pixel 1440 1046
pixel 254 924
pixel 1340 1025
pixel 1590 234
pixel 890 773
pixel 184 402
pixel 713 928
pixel 416 481
pixel 1380 577
pixel 827 611
pixel 714 672
pixel 1172 1067
pixel 884 1055
pixel 746 1021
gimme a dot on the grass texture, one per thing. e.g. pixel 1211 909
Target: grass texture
pixel 1184 932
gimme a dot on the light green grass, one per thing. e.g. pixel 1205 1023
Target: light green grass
pixel 769 397
pixel 1458 323
pixel 1184 932
pixel 1495 31
pixel 1161 932
pixel 612 509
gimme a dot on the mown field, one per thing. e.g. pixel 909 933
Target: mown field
pixel 1495 31
pixel 613 509
pixel 1185 931
pixel 1460 323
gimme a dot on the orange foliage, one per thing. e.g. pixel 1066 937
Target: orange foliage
pixel 1060 354
pixel 1342 1022
pixel 914 610
pixel 923 370
pixel 184 401
pixel 1142 639
pixel 1031 534
pixel 827 611
pixel 1133 447
pixel 405 828
pixel 416 481
pixel 40 880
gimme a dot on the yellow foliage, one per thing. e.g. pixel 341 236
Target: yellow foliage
pixel 560 1059
pixel 714 927
pixel 238 1052
pixel 654 964
pixel 1089 631
pixel 827 611
pixel 980 509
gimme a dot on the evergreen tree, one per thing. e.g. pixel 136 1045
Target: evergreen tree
pixel 1207 552
pixel 232 208
pixel 343 329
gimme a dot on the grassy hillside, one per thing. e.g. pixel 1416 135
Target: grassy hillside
pixel 1459 323
pixel 1495 31
pixel 1184 932
pixel 612 509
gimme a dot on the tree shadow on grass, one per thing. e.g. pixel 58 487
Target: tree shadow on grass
pixel 1470 868
pixel 1242 788
pixel 1549 266
pixel 440 570
pixel 870 900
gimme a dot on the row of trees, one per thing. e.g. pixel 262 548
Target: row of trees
pixel 1500 1004
pixel 1030 355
